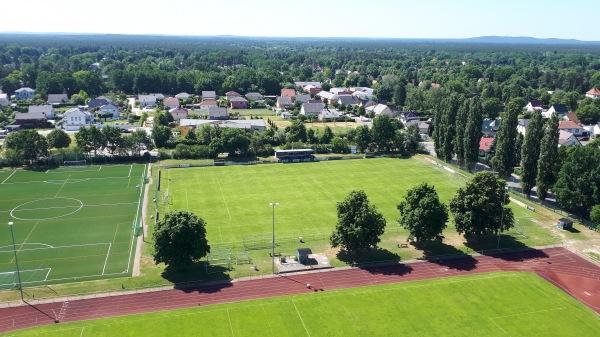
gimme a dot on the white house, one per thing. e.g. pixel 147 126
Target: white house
pixel 178 113
pixel 534 105
pixel 522 126
pixel 46 109
pixel 209 95
pixel 4 101
pixel 593 130
pixel 77 117
pixel 146 100
pixel 566 139
pixel 380 110
pixel 110 108
pixel 559 109
pixel 208 104
pixel 593 93
pixel 217 113
pixel 158 96
pixel 329 114
pixel 308 109
pixel 24 94
pixel 182 95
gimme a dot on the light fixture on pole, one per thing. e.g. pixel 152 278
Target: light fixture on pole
pixel 273 204
pixel 502 217
pixel 12 235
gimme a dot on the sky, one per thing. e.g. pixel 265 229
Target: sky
pixel 574 19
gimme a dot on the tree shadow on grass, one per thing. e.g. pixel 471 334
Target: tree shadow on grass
pixel 367 256
pixel 510 249
pixel 196 278
pixel 446 255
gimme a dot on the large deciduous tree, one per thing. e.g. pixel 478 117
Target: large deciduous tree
pixel 160 135
pixel 382 132
pixel 578 186
pixel 459 138
pixel 359 223
pixel 504 160
pixel 479 208
pixel 362 138
pixel 423 214
pixel 58 139
pixel 179 239
pixel 547 168
pixel 26 145
pixel 530 152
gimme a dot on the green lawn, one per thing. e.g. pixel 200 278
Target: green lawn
pixel 69 223
pixel 494 304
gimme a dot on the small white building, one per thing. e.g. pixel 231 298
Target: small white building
pixel 566 139
pixel 111 109
pixel 146 100
pixel 380 110
pixel 593 93
pixel 4 101
pixel 25 93
pixel 171 102
pixel 78 117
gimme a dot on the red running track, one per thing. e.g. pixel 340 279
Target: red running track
pixel 568 271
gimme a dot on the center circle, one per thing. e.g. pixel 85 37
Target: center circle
pixel 46 209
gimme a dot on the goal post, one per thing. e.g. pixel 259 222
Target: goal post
pixel 75 163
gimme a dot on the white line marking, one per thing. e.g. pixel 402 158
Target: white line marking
pixel 137 213
pixel 130 168
pixel 52 247
pixel 230 326
pixel 47 274
pixel 223 196
pixel 61 187
pixel 107 254
pixel 187 201
pixel 81 334
pixel 100 168
pixel 8 177
pixel 47 171
pixel 301 320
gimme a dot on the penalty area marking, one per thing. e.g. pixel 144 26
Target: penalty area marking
pixel 107 254
pixel 29 243
pixel 8 177
pixel 51 218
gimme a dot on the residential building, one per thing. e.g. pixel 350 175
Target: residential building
pixel 171 103
pixel 254 96
pixel 178 113
pixel 209 95
pixel 340 91
pixel 159 97
pixel 593 93
pixel 31 119
pixel 208 104
pixel 248 124
pixel 230 94
pixel 566 139
pixel 25 93
pixel 571 116
pixel 490 127
pixel 407 116
pixel 4 101
pixel 330 115
pixel 380 110
pixel 216 113
pixel 288 92
pixel 559 109
pixel 304 98
pixel 46 109
pixel 284 102
pixel 111 108
pixel 98 102
pixel 522 126
pixel 485 144
pixel 146 100
pixel 182 95
pixel 57 98
pixel 534 105
pixel 314 109
pixel 348 100
pixel 572 127
pixel 593 130
pixel 77 117
pixel 238 103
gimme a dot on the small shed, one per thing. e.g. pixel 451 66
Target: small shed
pixel 564 223
pixel 302 255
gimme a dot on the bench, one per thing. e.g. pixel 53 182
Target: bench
pixel 276 254
pixel 402 245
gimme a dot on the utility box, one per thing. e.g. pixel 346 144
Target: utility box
pixel 564 223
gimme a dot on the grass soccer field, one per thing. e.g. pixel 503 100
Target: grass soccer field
pixel 69 223
pixel 494 304
pixel 234 200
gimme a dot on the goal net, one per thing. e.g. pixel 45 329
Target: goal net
pixel 10 280
pixel 75 163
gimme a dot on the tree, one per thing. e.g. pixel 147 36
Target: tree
pixel 450 108
pixel 422 213
pixel 362 138
pixel 326 136
pixel 58 139
pixel 382 132
pixel 26 145
pixel 112 138
pixel 160 135
pixel 547 166
pixel 504 160
pixel 180 239
pixel 588 114
pixel 595 214
pixel 296 132
pixel 413 137
pixel 578 186
pixel 530 152
pixel 359 224
pixel 139 141
pixel 479 208
pixel 459 138
pixel 473 133
pixel 91 139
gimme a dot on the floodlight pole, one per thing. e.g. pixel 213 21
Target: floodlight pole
pixel 273 204
pixel 502 217
pixel 12 235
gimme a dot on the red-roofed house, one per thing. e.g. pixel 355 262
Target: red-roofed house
pixel 230 94
pixel 288 92
pixel 593 93
pixel 238 103
pixel 484 145
pixel 178 113
pixel 572 127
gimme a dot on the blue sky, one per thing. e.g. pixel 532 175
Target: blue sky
pixel 575 19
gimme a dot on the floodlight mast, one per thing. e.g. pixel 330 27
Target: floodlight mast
pixel 273 204
pixel 12 235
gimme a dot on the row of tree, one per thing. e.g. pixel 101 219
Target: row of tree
pixel 479 209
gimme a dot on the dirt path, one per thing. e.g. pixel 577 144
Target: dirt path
pixel 568 271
